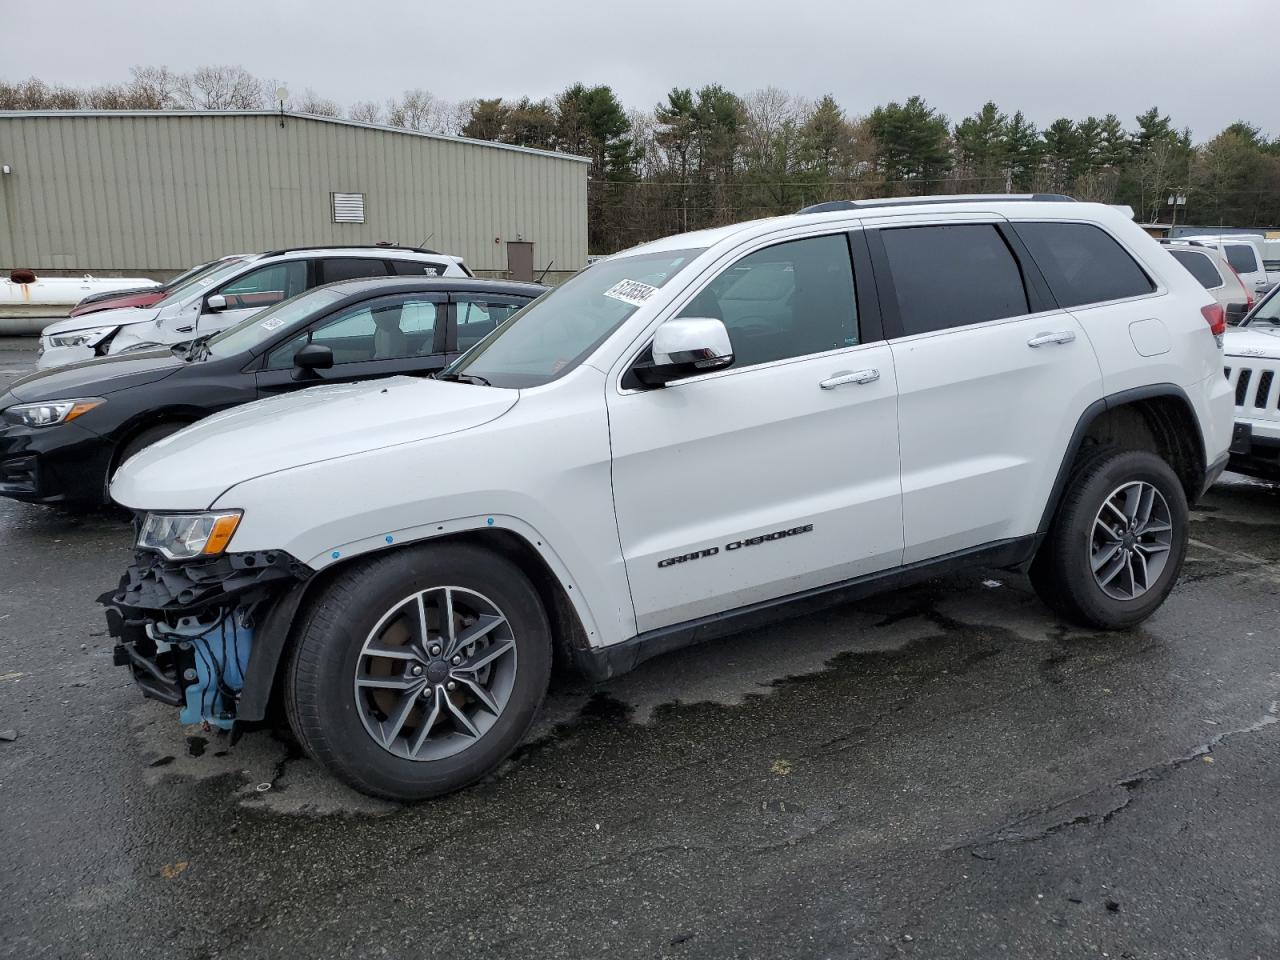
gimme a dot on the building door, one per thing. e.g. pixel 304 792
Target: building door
pixel 520 260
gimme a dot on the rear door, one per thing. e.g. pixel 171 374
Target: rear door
pixel 992 377
pixel 401 334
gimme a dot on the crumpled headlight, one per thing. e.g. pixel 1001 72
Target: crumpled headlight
pixel 182 536
pixel 81 338
pixel 50 412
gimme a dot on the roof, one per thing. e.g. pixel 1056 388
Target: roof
pixel 276 114
pixel 378 286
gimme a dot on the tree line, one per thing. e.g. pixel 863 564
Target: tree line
pixel 712 156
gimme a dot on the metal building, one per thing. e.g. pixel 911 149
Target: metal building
pixel 153 192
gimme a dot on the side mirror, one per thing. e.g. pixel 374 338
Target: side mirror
pixel 215 303
pixel 312 357
pixel 685 347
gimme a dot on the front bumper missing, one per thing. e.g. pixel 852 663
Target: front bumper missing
pixel 187 630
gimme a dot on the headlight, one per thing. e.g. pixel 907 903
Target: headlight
pixel 50 412
pixel 182 536
pixel 81 338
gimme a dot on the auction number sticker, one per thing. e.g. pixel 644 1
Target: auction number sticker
pixel 631 291
pixel 272 322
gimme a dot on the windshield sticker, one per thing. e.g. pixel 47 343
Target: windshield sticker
pixel 272 322
pixel 631 291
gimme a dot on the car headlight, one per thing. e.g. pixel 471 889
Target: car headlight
pixel 183 536
pixel 50 412
pixel 81 338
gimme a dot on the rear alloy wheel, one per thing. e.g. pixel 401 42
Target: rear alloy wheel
pixel 1117 542
pixel 418 671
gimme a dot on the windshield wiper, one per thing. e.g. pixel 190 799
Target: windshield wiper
pixel 463 378
pixel 198 348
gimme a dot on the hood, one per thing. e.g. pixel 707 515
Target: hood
pixel 96 377
pixel 1252 341
pixel 192 468
pixel 119 294
pixel 101 318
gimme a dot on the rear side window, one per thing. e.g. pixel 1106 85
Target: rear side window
pixel 352 268
pixel 1200 267
pixel 1083 264
pixel 952 276
pixel 1240 256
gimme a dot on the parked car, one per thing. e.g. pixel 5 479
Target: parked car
pixel 1209 265
pixel 1244 253
pixel 63 432
pixel 680 440
pixel 223 297
pixel 1253 371
pixel 146 296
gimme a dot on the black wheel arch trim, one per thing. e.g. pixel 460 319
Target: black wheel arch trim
pixel 1097 409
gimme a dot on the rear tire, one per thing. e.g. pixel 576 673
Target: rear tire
pixel 1117 542
pixel 425 720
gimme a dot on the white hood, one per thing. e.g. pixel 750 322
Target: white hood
pixel 195 466
pixel 103 318
pixel 1261 340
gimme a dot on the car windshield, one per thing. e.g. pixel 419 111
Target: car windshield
pixel 202 281
pixel 264 326
pixel 556 332
pixel 1267 313
pixel 191 274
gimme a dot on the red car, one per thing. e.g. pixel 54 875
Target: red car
pixel 144 296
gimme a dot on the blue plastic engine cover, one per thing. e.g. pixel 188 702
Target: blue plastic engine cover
pixel 222 656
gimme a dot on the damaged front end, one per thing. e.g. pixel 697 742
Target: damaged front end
pixel 205 634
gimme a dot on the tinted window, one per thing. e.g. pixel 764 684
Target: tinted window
pixel 478 318
pixel 1200 266
pixel 266 285
pixel 788 300
pixel 417 268
pixel 1083 264
pixel 393 330
pixel 950 276
pixel 352 268
pixel 1241 257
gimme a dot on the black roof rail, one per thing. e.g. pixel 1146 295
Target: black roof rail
pixel 350 246
pixel 832 205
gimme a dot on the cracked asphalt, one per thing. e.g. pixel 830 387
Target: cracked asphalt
pixel 940 772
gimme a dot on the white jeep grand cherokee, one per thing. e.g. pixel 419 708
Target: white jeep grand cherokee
pixel 681 438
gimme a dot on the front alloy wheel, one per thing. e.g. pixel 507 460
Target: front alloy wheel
pixel 435 673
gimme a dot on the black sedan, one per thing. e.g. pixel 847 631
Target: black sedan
pixel 63 432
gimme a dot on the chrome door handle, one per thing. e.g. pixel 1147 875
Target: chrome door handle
pixel 858 376
pixel 1062 336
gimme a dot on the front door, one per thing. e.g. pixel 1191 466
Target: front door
pixel 251 293
pixel 992 378
pixel 777 474
pixel 399 334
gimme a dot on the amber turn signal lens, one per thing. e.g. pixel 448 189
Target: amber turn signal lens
pixel 84 406
pixel 220 536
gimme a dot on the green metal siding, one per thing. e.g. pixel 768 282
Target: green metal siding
pixel 159 192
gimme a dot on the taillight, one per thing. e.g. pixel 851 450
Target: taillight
pixel 1248 294
pixel 1216 318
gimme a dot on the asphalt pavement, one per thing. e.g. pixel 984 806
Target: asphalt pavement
pixel 945 771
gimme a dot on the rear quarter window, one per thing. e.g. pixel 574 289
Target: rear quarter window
pixel 1083 264
pixel 1240 256
pixel 1199 266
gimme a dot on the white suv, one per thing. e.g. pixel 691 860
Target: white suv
pixel 223 297
pixel 677 441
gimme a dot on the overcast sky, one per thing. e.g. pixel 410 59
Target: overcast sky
pixel 1205 62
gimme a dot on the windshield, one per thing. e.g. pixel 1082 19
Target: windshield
pixel 191 274
pixel 559 330
pixel 203 281
pixel 264 326
pixel 1267 312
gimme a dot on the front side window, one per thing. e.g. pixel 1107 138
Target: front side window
pixel 1241 257
pixel 789 300
pixel 266 285
pixel 352 268
pixel 1083 264
pixel 480 317
pixel 953 275
pixel 560 329
pixel 384 330
pixel 273 322
pixel 1199 266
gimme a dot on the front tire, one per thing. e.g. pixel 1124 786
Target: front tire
pixel 417 672
pixel 1117 542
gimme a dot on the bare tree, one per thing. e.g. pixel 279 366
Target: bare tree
pixel 366 111
pixel 220 88
pixel 316 105
pixel 419 110
pixel 153 88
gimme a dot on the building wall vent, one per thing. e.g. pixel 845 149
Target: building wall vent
pixel 348 207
